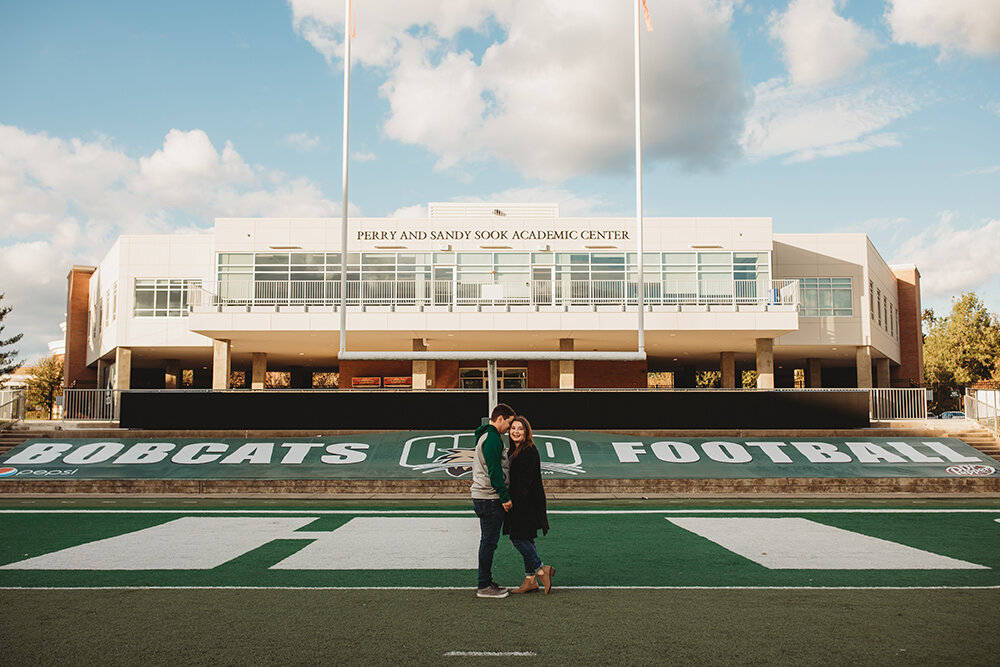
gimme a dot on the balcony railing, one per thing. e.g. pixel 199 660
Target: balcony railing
pixel 521 293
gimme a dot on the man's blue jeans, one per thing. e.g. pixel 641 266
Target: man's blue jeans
pixel 490 513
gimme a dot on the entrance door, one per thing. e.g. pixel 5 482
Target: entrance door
pixel 542 285
pixel 444 285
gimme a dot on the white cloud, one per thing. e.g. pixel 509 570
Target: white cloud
pixel 804 123
pixel 64 202
pixel 951 260
pixel 415 211
pixel 363 157
pixel 817 44
pixel 969 26
pixel 302 141
pixel 552 91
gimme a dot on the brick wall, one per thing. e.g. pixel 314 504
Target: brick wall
pixel 75 371
pixel 911 342
pixel 610 374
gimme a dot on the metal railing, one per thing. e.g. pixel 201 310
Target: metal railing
pixel 898 404
pixel 984 410
pixel 12 404
pixel 518 292
pixel 91 404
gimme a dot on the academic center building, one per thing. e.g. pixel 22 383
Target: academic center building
pixel 255 304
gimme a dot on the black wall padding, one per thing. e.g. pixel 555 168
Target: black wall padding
pixel 450 410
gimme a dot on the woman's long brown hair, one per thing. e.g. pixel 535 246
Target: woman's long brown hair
pixel 528 439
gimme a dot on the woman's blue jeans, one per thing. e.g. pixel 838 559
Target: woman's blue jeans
pixel 532 562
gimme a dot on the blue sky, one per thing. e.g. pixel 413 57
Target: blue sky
pixel 826 115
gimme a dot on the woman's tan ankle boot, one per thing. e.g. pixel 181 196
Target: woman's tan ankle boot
pixel 528 586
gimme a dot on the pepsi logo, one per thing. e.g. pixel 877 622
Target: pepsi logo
pixel 7 472
pixel 974 470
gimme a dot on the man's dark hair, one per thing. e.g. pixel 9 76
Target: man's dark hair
pixel 502 410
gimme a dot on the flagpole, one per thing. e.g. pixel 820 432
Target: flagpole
pixel 343 202
pixel 638 182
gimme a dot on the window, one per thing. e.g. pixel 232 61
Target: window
pixel 163 297
pixel 871 299
pixel 878 300
pixel 825 297
pixel 507 378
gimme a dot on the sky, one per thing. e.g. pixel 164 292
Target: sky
pixel 122 117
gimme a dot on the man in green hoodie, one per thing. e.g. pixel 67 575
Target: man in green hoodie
pixel 490 497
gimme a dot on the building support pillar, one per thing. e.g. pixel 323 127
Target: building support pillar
pixel 123 368
pixel 728 367
pixel 864 363
pixel 423 370
pixel 567 369
pixel 765 363
pixel 258 370
pixel 882 373
pixel 172 374
pixel 102 374
pixel 221 363
pixel 814 373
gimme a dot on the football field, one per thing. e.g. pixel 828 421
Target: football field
pixel 637 582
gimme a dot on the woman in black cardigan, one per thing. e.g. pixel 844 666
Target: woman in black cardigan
pixel 527 514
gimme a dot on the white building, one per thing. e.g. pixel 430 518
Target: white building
pixel 721 294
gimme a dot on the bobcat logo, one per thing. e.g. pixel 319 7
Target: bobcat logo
pixel 456 462
pixel 453 453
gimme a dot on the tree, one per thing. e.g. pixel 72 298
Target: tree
pixel 8 359
pixel 959 349
pixel 45 384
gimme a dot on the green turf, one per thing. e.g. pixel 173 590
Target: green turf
pixel 588 550
pixel 570 627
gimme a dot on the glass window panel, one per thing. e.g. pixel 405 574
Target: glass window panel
pixel 144 299
pixel 406 258
pixel 237 259
pixel 512 258
pixel 474 258
pixel 444 258
pixel 842 299
pixel 378 258
pixel 542 258
pixel 679 258
pixel 714 258
pixel 271 258
pixel 308 258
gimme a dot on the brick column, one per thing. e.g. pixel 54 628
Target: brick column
pixel 765 363
pixel 911 340
pixel 76 373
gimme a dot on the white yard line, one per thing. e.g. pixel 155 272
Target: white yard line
pixel 310 512
pixel 470 590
